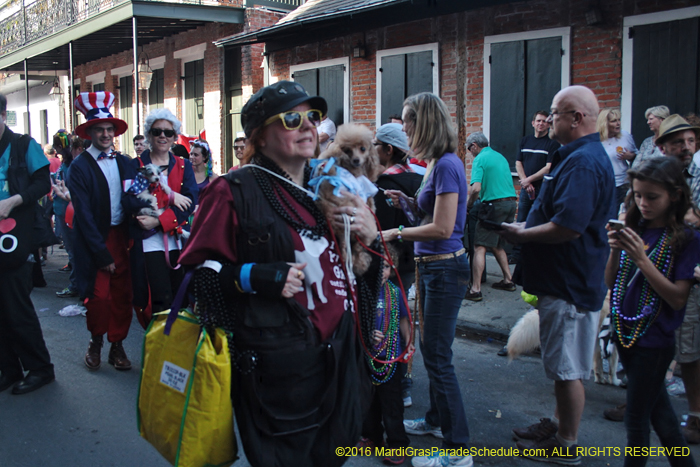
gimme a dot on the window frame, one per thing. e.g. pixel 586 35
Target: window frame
pixel 430 47
pixel 628 52
pixel 345 61
pixel 564 33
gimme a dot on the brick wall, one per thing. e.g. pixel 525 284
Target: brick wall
pixel 596 52
pixel 173 84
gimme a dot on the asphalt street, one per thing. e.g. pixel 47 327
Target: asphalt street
pixel 88 419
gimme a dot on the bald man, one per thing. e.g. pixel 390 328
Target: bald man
pixel 563 257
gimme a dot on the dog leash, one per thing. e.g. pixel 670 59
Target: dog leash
pixel 167 253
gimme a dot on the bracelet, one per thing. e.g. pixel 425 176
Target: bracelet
pixel 245 277
pixel 398 236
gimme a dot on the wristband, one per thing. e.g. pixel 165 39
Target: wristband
pixel 171 198
pixel 245 278
pixel 398 236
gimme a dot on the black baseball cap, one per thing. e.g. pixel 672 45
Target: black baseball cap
pixel 274 99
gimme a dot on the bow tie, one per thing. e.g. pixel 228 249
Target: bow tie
pixel 102 155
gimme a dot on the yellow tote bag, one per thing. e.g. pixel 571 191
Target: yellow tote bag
pixel 184 407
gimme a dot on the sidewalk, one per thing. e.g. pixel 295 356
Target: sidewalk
pixel 498 312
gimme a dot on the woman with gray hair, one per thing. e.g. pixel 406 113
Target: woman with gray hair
pixel 157 239
pixel 654 115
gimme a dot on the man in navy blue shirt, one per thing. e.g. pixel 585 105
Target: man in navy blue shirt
pixel 532 163
pixel 564 253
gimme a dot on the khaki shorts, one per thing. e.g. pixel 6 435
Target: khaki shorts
pixel 568 337
pixel 504 211
pixel 688 334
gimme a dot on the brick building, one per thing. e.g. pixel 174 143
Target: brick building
pixel 493 63
pixel 51 43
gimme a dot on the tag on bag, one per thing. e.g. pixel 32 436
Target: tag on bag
pixel 174 376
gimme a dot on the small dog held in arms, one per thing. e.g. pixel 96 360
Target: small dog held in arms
pixel 354 152
pixel 150 187
pixel 525 337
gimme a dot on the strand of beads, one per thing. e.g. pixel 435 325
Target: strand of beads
pixel 381 373
pixel 631 328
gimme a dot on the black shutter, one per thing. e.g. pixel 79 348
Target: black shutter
pixel 156 93
pixel 542 77
pixel 330 87
pixel 194 97
pixel 393 85
pixel 419 73
pixel 507 97
pixel 308 79
pixel 126 88
pixel 664 71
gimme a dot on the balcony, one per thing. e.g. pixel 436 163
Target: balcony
pixel 40 30
pixel 287 5
pixel 24 22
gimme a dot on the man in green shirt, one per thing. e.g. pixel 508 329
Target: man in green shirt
pixel 493 184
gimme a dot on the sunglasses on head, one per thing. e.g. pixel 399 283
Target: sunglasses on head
pixel 293 119
pixel 160 131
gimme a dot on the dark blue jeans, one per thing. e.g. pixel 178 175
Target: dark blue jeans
pixel 648 403
pixel 442 288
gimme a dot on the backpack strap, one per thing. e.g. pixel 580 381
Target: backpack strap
pixel 18 172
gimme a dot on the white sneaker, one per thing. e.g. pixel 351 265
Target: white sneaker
pixel 442 461
pixel 412 292
pixel 420 427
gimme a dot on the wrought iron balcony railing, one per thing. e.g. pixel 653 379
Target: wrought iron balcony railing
pixel 24 21
pixel 277 4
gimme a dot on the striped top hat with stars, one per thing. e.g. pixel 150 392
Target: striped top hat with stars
pixel 95 106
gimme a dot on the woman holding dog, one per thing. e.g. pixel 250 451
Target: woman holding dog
pixel 270 272
pixel 443 269
pixel 650 271
pixel 157 248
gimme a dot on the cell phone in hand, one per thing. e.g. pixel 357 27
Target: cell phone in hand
pixel 616 224
pixel 491 225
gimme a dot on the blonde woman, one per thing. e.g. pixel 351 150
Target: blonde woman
pixel 620 148
pixel 443 268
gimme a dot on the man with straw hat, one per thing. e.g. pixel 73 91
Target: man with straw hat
pixel 677 138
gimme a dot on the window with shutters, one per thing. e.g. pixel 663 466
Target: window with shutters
pixel 126 96
pixel 660 55
pixel 404 72
pixel 233 82
pixel 156 93
pixel 44 126
pixel 522 73
pixel 328 79
pixel 194 97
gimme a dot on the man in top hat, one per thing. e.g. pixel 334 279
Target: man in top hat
pixel 677 138
pixel 100 226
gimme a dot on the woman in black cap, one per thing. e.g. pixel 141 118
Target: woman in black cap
pixel 271 273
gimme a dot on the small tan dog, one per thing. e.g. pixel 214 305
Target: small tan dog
pixel 525 337
pixel 352 150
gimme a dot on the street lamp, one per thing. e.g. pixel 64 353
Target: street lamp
pixel 145 72
pixel 56 93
